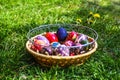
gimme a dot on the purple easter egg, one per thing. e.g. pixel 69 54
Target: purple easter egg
pixel 48 49
pixel 80 38
pixel 40 37
pixel 63 50
pixel 78 48
pixel 79 45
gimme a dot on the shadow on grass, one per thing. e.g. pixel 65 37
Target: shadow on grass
pixel 107 39
pixel 107 28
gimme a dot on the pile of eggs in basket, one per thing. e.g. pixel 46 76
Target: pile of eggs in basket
pixel 61 43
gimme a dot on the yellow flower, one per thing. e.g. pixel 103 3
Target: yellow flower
pixel 96 15
pixel 91 13
pixel 79 20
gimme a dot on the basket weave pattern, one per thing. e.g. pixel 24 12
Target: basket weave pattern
pixel 46 60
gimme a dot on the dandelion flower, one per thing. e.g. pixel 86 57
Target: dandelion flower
pixel 96 15
pixel 79 20
pixel 91 13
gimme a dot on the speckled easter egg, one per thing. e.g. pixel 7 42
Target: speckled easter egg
pixel 37 45
pixel 47 50
pixel 62 50
pixel 61 34
pixel 51 37
pixel 78 48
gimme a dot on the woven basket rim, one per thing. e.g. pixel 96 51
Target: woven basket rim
pixel 60 57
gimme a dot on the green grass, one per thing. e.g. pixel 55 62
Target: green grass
pixel 17 17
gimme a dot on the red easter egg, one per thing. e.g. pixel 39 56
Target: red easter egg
pixel 39 42
pixel 72 54
pixel 36 47
pixel 72 36
pixel 51 37
pixel 33 48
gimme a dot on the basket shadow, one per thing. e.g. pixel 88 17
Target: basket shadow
pixel 82 12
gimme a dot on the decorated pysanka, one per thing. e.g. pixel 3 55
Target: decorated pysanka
pixel 61 43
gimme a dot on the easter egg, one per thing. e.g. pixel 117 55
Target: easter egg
pixel 78 45
pixel 87 46
pixel 78 48
pixel 39 42
pixel 84 42
pixel 61 34
pixel 43 38
pixel 47 50
pixel 72 54
pixel 35 48
pixel 38 45
pixel 68 43
pixel 72 36
pixel 55 44
pixel 51 37
pixel 62 50
pixel 81 38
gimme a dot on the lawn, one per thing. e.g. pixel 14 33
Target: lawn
pixel 17 17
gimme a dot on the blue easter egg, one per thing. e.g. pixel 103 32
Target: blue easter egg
pixel 55 44
pixel 61 34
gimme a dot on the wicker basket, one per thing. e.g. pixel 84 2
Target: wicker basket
pixel 62 61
